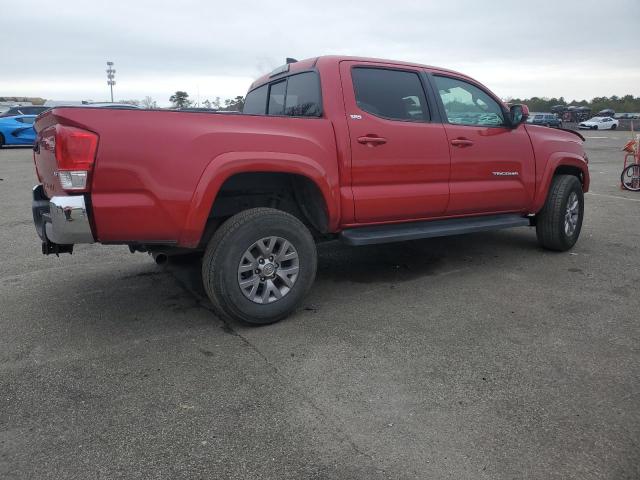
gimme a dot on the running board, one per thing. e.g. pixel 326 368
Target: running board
pixel 399 232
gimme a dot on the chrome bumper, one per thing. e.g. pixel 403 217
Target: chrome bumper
pixel 60 220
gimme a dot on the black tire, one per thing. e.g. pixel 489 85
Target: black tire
pixel 613 127
pixel 1 141
pixel 595 127
pixel 630 177
pixel 550 221
pixel 224 255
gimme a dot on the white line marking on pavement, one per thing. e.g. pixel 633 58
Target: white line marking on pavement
pixel 614 196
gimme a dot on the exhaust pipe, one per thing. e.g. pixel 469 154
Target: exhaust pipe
pixel 160 258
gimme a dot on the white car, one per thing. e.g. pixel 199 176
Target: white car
pixel 599 123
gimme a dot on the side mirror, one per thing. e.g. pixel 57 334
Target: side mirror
pixel 518 114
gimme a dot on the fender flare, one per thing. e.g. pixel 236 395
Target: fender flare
pixel 557 160
pixel 224 166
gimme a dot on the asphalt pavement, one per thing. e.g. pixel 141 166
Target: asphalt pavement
pixel 472 357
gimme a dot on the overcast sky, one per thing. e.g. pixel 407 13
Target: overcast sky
pixel 58 49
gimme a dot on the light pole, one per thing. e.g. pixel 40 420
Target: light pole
pixel 111 75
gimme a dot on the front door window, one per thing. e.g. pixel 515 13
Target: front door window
pixel 466 104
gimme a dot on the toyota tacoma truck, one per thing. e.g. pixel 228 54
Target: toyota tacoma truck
pixel 362 150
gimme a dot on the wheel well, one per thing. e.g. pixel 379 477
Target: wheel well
pixel 569 170
pixel 294 194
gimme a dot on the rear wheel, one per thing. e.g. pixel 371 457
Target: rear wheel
pixel 259 265
pixel 595 127
pixel 630 177
pixel 559 222
pixel 1 141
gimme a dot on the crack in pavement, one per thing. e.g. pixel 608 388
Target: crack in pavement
pixel 228 328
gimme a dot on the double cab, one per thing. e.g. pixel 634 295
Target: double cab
pixel 356 149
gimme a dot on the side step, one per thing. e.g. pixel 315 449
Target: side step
pixel 399 232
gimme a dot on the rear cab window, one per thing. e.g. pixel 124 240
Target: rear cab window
pixel 297 95
pixel 256 101
pixel 277 92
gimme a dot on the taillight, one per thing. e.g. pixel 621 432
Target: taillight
pixel 75 153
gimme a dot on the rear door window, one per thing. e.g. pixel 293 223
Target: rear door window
pixel 390 94
pixel 303 95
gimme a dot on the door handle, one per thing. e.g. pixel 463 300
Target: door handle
pixel 461 142
pixel 372 140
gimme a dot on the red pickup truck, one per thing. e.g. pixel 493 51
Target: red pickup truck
pixel 363 150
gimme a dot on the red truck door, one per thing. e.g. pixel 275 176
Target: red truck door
pixel 399 158
pixel 492 165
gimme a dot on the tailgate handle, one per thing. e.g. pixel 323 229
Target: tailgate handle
pixel 372 140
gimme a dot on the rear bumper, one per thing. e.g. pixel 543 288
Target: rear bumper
pixel 60 220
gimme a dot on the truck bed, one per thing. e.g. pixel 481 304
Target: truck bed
pixel 149 163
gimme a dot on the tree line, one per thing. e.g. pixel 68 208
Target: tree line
pixel 625 104
pixel 181 100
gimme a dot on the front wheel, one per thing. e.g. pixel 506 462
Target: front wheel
pixel 630 177
pixel 595 127
pixel 259 265
pixel 613 127
pixel 559 222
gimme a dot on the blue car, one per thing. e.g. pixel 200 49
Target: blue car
pixel 17 130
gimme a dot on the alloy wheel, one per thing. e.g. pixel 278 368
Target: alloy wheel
pixel 268 269
pixel 572 214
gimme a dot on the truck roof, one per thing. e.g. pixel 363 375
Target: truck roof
pixel 309 63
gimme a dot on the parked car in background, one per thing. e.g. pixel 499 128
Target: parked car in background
pixel 25 110
pixel 546 119
pixel 17 130
pixel 627 116
pixel 607 112
pixel 599 123
pixel 571 113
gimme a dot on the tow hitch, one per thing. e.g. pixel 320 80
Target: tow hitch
pixel 49 248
